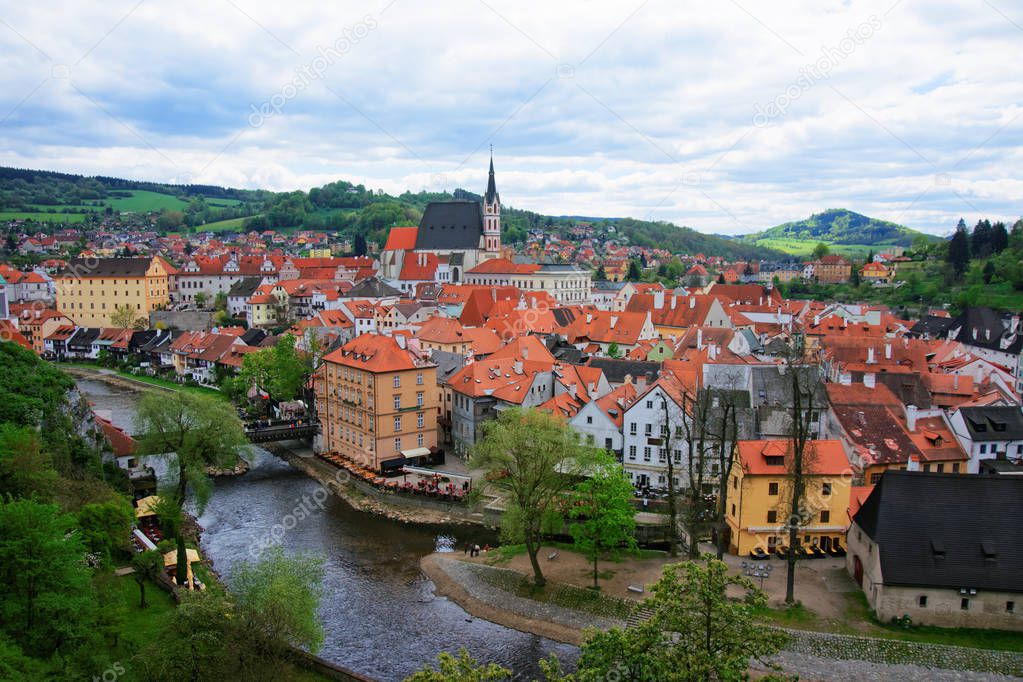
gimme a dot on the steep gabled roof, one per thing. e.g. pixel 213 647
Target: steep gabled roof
pixel 947 530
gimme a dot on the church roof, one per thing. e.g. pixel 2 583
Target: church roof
pixel 454 225
pixel 492 194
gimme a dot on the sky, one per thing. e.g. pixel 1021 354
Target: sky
pixel 726 116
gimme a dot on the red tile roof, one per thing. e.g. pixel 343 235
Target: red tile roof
pixel 375 353
pixel 401 239
pixel 823 457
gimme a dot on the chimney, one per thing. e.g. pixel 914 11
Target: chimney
pixel 869 380
pixel 674 301
pixel 692 302
pixel 845 379
pixel 400 340
pixel 591 390
pixel 525 353
pixel 641 383
pixel 517 366
pixel 614 321
pixel 888 351
pixel 699 338
pixel 911 412
pixel 658 299
pixel 870 355
pixel 913 463
pixel 712 351
pixel 955 381
pixel 572 388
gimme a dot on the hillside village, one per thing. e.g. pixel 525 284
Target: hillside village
pixel 695 379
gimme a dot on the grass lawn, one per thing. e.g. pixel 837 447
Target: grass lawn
pixel 42 217
pixel 155 381
pixel 504 553
pixel 559 594
pixel 804 247
pixel 143 201
pixel 232 225
pixel 858 619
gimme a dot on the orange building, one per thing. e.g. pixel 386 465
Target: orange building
pixel 377 402
pixel 832 269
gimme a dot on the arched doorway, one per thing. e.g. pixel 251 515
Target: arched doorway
pixel 858 571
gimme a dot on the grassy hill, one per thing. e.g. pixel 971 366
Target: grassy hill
pixel 844 230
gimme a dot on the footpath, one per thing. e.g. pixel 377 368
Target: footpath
pixel 812 655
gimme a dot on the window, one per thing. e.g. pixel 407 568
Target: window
pixel 420 420
pixel 632 429
pixel 733 509
pixel 646 454
pixel 397 402
pixel 772 488
pixel 735 483
pixel 825 516
pixel 921 601
pixel 419 379
pixel 1010 607
pixel 648 429
pixel 964 604
pixel 397 423
pixel 589 420
pixel 955 467
pixel 632 452
pixel 397 444
pixel 419 440
pixel 397 381
pixel 983 448
pixel 825 489
pixel 772 516
pixel 649 404
pixel 419 399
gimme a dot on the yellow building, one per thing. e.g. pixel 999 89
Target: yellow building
pixel 91 290
pixel 267 306
pixel 377 402
pixel 759 494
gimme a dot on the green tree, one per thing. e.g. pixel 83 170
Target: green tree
pixel 124 317
pixel 463 668
pixel 634 273
pixel 106 526
pixel 959 251
pixel 25 469
pixel 601 275
pixel 200 300
pixel 47 603
pixel 605 520
pixel 147 567
pixel 820 250
pixel 280 371
pixel 201 432
pixel 698 630
pixel 533 460
pixel 220 302
pixel 169 220
pixel 613 351
pixel 278 600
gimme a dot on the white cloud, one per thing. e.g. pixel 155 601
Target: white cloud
pixel 596 108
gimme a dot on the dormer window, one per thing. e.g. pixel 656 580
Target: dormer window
pixel 938 549
pixel 988 549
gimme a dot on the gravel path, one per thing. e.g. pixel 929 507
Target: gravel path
pixel 816 668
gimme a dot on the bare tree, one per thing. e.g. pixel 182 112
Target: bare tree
pixel 727 437
pixel 695 415
pixel 805 381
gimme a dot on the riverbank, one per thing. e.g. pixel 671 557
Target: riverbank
pixel 366 498
pixel 464 584
pixel 134 383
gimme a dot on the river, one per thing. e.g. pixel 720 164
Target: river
pixel 379 612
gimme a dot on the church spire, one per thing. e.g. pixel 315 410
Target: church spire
pixel 492 196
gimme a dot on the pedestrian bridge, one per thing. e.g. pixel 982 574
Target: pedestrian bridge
pixel 267 432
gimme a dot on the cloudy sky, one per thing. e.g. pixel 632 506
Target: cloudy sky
pixel 725 116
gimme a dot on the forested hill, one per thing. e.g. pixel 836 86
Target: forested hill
pixel 47 197
pixel 840 226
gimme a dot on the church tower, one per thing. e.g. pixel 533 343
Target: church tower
pixel 491 216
